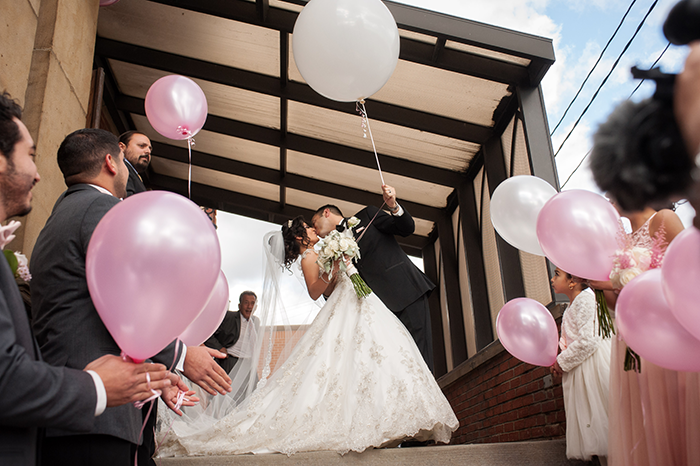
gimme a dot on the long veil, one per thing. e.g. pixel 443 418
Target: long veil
pixel 281 320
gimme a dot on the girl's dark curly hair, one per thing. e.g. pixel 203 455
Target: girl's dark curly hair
pixel 639 157
pixel 291 230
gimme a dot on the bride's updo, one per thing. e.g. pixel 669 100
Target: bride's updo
pixel 291 230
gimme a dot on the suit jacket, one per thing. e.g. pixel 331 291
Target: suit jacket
pixel 134 184
pixel 383 264
pixel 229 331
pixel 67 327
pixel 32 393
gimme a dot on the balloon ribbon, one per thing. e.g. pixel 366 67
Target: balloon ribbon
pixel 190 144
pixel 360 107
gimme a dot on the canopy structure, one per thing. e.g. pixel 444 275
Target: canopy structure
pixel 462 111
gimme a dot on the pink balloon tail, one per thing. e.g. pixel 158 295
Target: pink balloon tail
pixel 190 143
pixel 155 394
pixel 126 358
pixel 143 426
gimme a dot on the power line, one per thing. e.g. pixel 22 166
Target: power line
pixel 608 76
pixel 594 67
pixel 630 96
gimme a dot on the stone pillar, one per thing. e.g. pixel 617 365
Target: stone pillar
pixel 57 95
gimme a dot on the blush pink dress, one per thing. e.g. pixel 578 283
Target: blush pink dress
pixel 655 414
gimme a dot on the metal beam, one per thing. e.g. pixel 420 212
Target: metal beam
pixel 452 289
pixel 298 182
pixel 511 270
pixel 471 237
pixel 299 92
pixel 431 267
pixel 317 147
pixel 244 204
pixel 539 50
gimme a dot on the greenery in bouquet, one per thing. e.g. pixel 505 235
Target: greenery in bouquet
pixel 336 247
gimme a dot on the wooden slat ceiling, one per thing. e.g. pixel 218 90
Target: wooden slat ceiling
pixel 272 148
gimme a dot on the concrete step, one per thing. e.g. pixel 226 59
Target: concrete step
pixel 536 453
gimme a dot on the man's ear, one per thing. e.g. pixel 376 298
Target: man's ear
pixel 122 146
pixel 326 212
pixel 111 164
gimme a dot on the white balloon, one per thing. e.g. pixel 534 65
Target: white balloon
pixel 515 205
pixel 346 50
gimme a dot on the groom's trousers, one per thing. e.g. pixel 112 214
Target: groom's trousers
pixel 416 318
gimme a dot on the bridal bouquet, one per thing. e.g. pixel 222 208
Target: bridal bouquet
pixel 19 265
pixel 333 247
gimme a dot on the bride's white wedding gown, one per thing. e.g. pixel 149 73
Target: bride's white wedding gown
pixel 355 380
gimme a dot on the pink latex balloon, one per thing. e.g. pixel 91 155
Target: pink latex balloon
pixel 527 331
pixel 681 279
pixel 176 107
pixel 578 231
pixel 151 266
pixel 211 316
pixel 646 323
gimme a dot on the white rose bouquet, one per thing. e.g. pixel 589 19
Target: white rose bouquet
pixel 629 263
pixel 337 246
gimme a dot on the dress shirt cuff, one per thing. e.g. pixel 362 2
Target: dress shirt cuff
pixel 399 212
pixel 101 393
pixel 181 361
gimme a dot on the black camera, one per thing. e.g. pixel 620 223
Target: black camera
pixel 638 156
pixel 682 25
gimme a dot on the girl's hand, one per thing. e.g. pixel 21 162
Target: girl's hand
pixel 556 369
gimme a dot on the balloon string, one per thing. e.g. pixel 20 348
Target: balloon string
pixel 190 143
pixel 360 107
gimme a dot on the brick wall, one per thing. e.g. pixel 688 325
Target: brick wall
pixel 505 400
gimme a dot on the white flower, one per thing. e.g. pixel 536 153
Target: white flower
pixel 353 222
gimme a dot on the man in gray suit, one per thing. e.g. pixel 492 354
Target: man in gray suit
pixel 32 393
pixel 67 326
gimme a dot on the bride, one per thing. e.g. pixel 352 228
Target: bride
pixel 354 380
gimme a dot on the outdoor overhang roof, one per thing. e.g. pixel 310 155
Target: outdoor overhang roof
pixel 272 148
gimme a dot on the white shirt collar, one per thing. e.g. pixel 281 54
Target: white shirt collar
pixel 101 189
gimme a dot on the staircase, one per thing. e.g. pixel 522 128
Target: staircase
pixel 537 453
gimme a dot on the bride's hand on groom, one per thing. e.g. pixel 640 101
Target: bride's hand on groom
pixel 170 394
pixel 202 369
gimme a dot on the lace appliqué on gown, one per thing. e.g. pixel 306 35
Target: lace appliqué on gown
pixel 355 380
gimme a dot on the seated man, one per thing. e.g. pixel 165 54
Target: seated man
pixel 237 334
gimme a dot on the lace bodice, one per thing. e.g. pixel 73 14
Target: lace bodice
pixel 641 237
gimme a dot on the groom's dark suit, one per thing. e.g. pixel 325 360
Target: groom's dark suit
pixel 32 393
pixel 67 327
pixel 402 287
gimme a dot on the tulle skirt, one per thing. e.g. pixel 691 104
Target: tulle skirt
pixel 355 380
pixel 654 416
pixel 586 390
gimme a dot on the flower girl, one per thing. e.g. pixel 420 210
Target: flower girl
pixel 584 363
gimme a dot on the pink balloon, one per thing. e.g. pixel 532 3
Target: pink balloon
pixel 211 316
pixel 176 107
pixel 527 331
pixel 645 321
pixel 578 231
pixel 151 266
pixel 681 279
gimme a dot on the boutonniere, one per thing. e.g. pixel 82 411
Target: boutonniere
pixel 353 222
pixel 18 264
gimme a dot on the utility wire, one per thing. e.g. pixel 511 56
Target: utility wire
pixel 594 67
pixel 617 61
pixel 630 96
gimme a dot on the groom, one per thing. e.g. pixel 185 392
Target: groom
pixel 402 287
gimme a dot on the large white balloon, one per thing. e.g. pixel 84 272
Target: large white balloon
pixel 515 205
pixel 346 50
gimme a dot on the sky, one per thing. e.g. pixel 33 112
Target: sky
pixel 579 30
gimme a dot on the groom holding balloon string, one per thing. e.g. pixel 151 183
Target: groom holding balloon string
pixel 69 329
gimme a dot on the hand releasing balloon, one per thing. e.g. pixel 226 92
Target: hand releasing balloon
pixel 681 279
pixel 346 50
pixel 527 331
pixel 515 205
pixel 211 316
pixel 645 321
pixel 578 231
pixel 176 107
pixel 151 266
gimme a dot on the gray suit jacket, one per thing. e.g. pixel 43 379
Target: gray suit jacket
pixel 67 327
pixel 32 393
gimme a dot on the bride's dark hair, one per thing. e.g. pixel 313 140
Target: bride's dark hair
pixel 291 230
